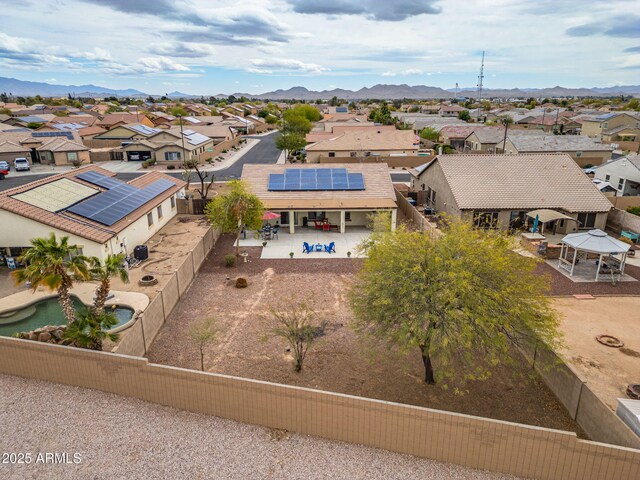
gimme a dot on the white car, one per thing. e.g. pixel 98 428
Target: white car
pixel 21 164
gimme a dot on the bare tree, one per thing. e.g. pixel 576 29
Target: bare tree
pixel 296 325
pixel 202 333
pixel 203 176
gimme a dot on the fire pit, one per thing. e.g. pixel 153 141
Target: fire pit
pixel 609 341
pixel 147 281
pixel 633 391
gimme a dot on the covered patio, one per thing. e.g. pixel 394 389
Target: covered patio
pixel 549 219
pixel 593 253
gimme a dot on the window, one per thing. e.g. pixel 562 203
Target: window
pixel 607 178
pixel 173 202
pixel 347 216
pixel 353 154
pixel 605 125
pixel 171 156
pixel 621 184
pixel 150 219
pixel 159 209
pixel 72 156
pixel 485 220
pixel 586 220
pixel 332 154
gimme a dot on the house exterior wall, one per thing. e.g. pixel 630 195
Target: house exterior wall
pixel 10 157
pixel 620 170
pixel 433 178
pixel 24 229
pixel 595 129
pixel 314 155
pixel 61 158
pixel 119 133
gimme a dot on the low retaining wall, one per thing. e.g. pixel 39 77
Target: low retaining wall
pixel 521 450
pixel 136 340
pixel 591 413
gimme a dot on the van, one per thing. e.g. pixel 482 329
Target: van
pixel 21 164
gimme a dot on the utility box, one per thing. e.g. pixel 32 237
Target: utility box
pixel 141 252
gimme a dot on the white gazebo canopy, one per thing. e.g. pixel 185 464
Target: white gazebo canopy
pixel 594 241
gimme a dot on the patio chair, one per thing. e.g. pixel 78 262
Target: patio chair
pixel 317 225
pixel 325 227
pixel 331 248
pixel 274 233
pixel 306 248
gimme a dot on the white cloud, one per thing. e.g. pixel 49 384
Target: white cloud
pixel 261 65
pixel 402 73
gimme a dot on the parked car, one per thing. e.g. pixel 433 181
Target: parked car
pixel 3 171
pixel 4 165
pixel 21 164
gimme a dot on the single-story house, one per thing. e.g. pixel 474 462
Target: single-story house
pixel 57 147
pixel 364 144
pixel 345 194
pixel 484 140
pixel 496 191
pixel 62 151
pixel 584 151
pixel 110 120
pixel 450 110
pixel 73 204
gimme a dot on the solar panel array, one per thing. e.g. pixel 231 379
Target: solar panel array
pixel 143 129
pixel 305 179
pixel 69 135
pixel 118 202
pixel 100 180
pixel 56 196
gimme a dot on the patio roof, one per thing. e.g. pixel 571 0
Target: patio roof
pixel 595 241
pixel 545 215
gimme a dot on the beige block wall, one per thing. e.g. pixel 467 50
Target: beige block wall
pixel 474 442
pixel 170 294
pixel 185 274
pixel 314 155
pixel 61 158
pixel 591 129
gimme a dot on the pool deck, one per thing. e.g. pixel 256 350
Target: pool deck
pixel 84 291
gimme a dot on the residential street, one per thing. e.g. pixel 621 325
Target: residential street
pixel 264 151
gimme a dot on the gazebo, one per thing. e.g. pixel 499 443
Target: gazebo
pixel 594 242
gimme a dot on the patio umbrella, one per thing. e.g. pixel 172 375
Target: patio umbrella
pixel 535 224
pixel 270 215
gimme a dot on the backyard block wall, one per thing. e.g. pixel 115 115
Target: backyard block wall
pixel 531 452
pixel 414 215
pixel 591 413
pixel 136 340
pixel 620 220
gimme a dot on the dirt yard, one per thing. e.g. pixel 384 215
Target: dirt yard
pixel 607 370
pixel 338 361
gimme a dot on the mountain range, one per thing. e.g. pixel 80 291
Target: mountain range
pixel 389 92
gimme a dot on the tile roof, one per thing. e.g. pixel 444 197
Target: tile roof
pixel 378 191
pixel 12 147
pixel 489 134
pixel 369 140
pixel 527 182
pixel 58 144
pixel 556 143
pixel 76 224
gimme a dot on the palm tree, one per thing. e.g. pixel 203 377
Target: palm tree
pixel 90 329
pixel 54 265
pixel 113 266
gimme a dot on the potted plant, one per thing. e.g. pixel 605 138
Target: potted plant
pixel 290 254
pixel 349 254
pixel 264 244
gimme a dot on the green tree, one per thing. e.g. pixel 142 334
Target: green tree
pixel 352 105
pixel 334 102
pixel 462 298
pixel 429 133
pixel 464 115
pixel 202 333
pixel 178 110
pixel 34 125
pixel 103 272
pixel 54 265
pixel 382 115
pixel 504 119
pixel 290 142
pixel 90 328
pixel 307 111
pixel 295 123
pixel 232 211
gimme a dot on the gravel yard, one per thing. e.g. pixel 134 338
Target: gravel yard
pixel 122 438
pixel 338 361
pixel 561 285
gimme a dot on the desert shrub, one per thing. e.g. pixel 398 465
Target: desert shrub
pixel 241 282
pixel 634 210
pixel 171 167
pixel 225 151
pixel 229 260
pixel 626 240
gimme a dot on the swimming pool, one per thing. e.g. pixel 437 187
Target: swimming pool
pixel 48 312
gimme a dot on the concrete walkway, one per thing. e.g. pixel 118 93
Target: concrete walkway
pixel 118 437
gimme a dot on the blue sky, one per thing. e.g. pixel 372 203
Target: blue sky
pixel 207 47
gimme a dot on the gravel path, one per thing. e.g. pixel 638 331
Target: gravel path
pixel 122 438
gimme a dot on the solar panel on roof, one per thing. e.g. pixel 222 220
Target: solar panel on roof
pixel 101 180
pixel 315 179
pixel 69 135
pixel 113 205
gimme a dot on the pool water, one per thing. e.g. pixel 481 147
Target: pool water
pixel 48 312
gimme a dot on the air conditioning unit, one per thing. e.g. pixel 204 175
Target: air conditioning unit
pixel 629 412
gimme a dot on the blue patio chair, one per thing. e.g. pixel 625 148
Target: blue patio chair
pixel 306 248
pixel 331 248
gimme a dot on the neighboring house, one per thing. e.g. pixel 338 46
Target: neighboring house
pixel 622 173
pixel 484 140
pixel 596 126
pixel 584 151
pixel 168 145
pixel 455 135
pixel 623 133
pixel 67 205
pixel 498 190
pixel 364 144
pixel 9 151
pixel 23 121
pixel 61 151
pixel 128 132
pixel 450 110
pixel 110 120
pixel 57 147
pixel 372 191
